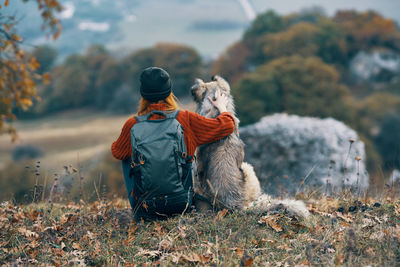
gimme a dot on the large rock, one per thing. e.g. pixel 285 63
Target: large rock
pixel 285 149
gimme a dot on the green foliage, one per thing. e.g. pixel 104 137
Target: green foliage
pixel 296 85
pixel 388 141
pixel 268 22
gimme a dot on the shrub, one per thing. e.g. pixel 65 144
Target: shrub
pixel 125 101
pixel 26 152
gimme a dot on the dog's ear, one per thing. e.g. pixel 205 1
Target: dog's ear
pixel 198 90
pixel 222 83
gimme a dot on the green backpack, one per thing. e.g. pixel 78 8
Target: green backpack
pixel 160 168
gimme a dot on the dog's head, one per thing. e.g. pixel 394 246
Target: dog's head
pixel 202 90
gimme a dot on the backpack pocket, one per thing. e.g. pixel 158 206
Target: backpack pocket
pixel 165 206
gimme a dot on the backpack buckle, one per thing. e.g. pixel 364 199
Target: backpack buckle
pixel 141 159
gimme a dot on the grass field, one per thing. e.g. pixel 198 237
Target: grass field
pixel 68 137
pixel 340 232
pixel 65 137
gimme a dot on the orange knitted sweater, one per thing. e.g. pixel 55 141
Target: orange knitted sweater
pixel 197 130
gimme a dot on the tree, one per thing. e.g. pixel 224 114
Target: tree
pixel 264 24
pixel 45 56
pixel 296 85
pixel 70 87
pixel 323 38
pixel 299 39
pixel 108 82
pixel 181 62
pixel 233 63
pixel 18 71
pixel 268 22
pixel 366 30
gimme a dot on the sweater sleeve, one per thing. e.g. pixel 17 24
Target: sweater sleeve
pixel 121 148
pixel 208 130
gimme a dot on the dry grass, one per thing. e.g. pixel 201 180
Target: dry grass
pixel 104 233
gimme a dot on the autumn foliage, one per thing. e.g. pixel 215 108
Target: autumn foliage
pixel 19 72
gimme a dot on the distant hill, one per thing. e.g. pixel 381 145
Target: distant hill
pixel 207 25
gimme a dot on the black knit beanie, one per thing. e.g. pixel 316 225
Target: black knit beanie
pixel 155 84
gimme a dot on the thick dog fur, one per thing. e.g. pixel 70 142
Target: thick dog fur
pixel 223 178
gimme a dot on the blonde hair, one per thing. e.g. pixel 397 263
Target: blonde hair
pixel 171 104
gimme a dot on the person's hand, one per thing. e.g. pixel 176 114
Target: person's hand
pixel 220 102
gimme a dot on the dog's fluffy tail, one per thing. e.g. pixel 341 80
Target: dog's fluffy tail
pixel 266 203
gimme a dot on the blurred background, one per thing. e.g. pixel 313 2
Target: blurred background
pixel 338 59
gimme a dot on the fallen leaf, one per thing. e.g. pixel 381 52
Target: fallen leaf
pixel 370 251
pixel 239 252
pixel 77 246
pixel 248 262
pixel 339 259
pixel 221 214
pixel 271 222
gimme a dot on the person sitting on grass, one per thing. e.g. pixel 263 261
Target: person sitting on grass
pixel 157 147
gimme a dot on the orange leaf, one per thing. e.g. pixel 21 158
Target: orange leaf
pixel 46 78
pixel 239 252
pixel 248 262
pixel 271 222
pixel 6 3
pixel 76 246
pixel 221 214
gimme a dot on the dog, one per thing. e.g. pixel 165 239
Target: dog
pixel 224 180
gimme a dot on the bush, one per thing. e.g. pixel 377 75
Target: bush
pixel 18 182
pixel 26 152
pixel 125 101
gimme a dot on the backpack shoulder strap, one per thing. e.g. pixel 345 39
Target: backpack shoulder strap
pixel 146 117
pixel 172 115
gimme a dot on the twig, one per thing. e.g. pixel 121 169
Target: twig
pixel 95 188
pixel 44 187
